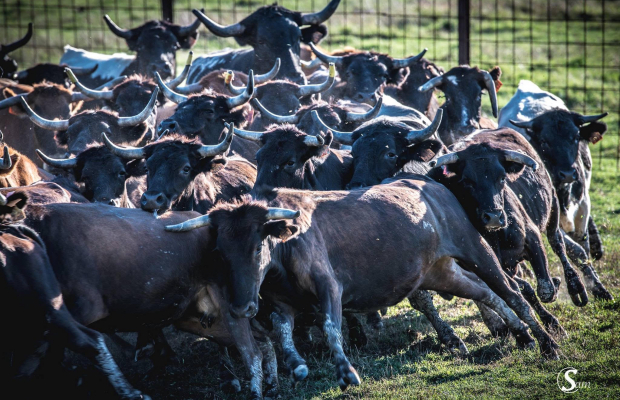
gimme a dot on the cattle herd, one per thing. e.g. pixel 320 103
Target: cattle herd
pixel 284 187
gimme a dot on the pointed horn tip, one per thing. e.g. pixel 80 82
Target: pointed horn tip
pixel 535 166
pixel 174 228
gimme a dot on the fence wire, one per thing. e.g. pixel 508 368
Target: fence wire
pixel 571 48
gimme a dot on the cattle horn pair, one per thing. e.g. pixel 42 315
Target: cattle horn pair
pixel 258 79
pixel 128 34
pixel 63 124
pixel 67 163
pixel 5 162
pixel 510 155
pixel 7 48
pixel 133 153
pixel 204 220
pixel 396 62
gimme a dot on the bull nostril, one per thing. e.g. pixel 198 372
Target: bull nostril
pixel 160 199
pixel 143 201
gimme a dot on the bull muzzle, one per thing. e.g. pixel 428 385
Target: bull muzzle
pixel 493 219
pixel 249 310
pixel 153 201
pixel 568 176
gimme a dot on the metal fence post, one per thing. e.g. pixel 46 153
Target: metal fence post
pixel 463 32
pixel 167 10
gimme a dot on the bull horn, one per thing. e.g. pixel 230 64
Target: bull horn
pixel 217 29
pixel 407 62
pixel 520 158
pixel 76 96
pixel 124 33
pixel 220 148
pixel 337 60
pixel 446 159
pixel 342 137
pixel 266 77
pixel 6 49
pixel 190 224
pixel 423 134
pixel 245 96
pixel 143 115
pixel 523 124
pixel 281 213
pixel 130 153
pixel 248 135
pixel 321 16
pixel 11 101
pixel 85 70
pixel 368 115
pixel 281 119
pixel 311 64
pixel 173 83
pixel 66 163
pixel 2 200
pixel 93 94
pixel 59 125
pixel 314 141
pixel 236 90
pixel 307 90
pixel 21 75
pixel 490 86
pixel 169 93
pixel 433 83
pixel 5 162
pixel 191 28
pixel 189 89
pixel 593 118
pixel 112 83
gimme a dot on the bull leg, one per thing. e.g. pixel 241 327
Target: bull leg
pixel 228 381
pixel 596 243
pixel 152 343
pixel 270 363
pixel 538 259
pixel 357 337
pixel 251 355
pixel 374 319
pixel 422 301
pixel 575 287
pixel 549 321
pixel 496 325
pixel 283 324
pixel 580 257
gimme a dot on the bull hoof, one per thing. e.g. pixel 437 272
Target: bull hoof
pixel 375 321
pixel 549 349
pixel 271 392
pixel 600 293
pixel 232 386
pixel 347 376
pixel 300 373
pixel 576 290
pixel 525 341
pixel 456 346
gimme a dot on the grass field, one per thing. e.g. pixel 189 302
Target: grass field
pixel 578 56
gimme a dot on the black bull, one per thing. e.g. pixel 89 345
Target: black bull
pixel 329 257
pixel 175 278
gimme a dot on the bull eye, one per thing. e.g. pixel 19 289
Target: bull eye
pixel 186 169
pixel 391 155
pixel 122 174
pixel 290 163
pixel 502 180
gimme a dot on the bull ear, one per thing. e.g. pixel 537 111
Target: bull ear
pixel 15 109
pixel 313 33
pixel 513 169
pixel 13 207
pixel 280 230
pixel 593 132
pixel 495 73
pixel 17 200
pixel 424 151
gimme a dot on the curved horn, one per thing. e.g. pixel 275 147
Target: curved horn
pixel 423 134
pixel 2 200
pixel 311 64
pixel 342 137
pixel 93 94
pixel 523 124
pixel 368 115
pixel 520 158
pixel 112 83
pixel 11 101
pixel 173 83
pixel 217 29
pixel 281 119
pixel 169 93
pixel 245 96
pixel 337 60
pixel 281 213
pixel 236 90
pixel 124 33
pixel 592 118
pixel 67 163
pixel 406 62
pixel 446 159
pixel 190 224
pixel 314 141
pixel 77 96
pixel 189 29
pixel 307 90
pixel 490 86
pixel 86 70
pixel 248 135
pixel 189 89
pixel 143 115
pixel 220 148
pixel 130 153
pixel 258 79
pixel 7 48
pixel 21 75
pixel 321 16
pixel 5 162
pixel 433 83
pixel 59 125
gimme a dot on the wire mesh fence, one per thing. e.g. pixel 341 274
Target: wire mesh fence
pixel 571 48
